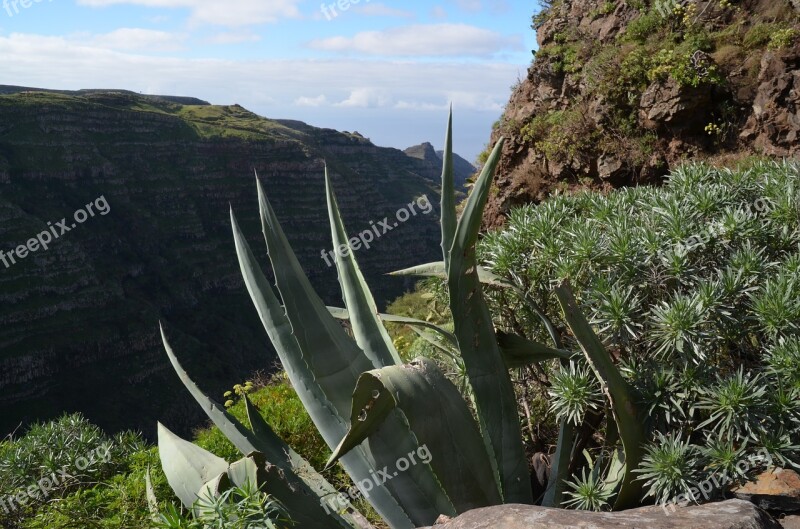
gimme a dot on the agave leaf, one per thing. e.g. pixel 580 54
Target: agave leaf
pixel 332 356
pixel 297 470
pixel 559 471
pixel 437 269
pixel 620 394
pixel 245 472
pixel 495 400
pixel 440 421
pixel 344 314
pixel 518 351
pixel 331 425
pixel 448 198
pixel 369 333
pixel 335 362
pixel 187 466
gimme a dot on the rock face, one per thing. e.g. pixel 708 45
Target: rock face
pixel 462 169
pixel 775 490
pixel 79 321
pixel 620 92
pixel 731 514
pixel 774 124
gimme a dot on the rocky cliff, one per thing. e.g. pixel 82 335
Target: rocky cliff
pixel 462 169
pixel 620 92
pixel 79 320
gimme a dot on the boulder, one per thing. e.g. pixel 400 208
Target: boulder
pixel 777 489
pixel 731 514
pixel 671 106
pixel 790 522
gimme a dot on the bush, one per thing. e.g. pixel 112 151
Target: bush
pixel 695 287
pixel 782 39
pixel 83 475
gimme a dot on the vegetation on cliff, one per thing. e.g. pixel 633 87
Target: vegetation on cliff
pixel 619 93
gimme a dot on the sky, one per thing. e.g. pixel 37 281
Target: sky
pixel 388 69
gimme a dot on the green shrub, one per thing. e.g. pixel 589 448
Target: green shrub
pixel 91 485
pixel 643 27
pixel 782 38
pixel 696 285
pixel 759 35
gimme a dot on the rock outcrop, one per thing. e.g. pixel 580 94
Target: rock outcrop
pixel 731 514
pixel 79 321
pixel 462 169
pixel 621 92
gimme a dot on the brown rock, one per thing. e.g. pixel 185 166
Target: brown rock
pixel 775 122
pixel 731 514
pixel 777 490
pixel 671 106
pixel 790 522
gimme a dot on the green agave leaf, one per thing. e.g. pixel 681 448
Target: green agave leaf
pixel 437 269
pixel 332 356
pixel 369 333
pixel 246 471
pixel 559 470
pixel 297 470
pixel 518 351
pixel 344 314
pixel 335 362
pixel 439 419
pixel 488 376
pixel 448 199
pixel 187 466
pixel 331 425
pixel 619 393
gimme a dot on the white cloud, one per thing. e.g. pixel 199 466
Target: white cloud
pixel 382 10
pixel 456 40
pixel 233 37
pixel 366 98
pixel 219 12
pixel 305 101
pixel 137 39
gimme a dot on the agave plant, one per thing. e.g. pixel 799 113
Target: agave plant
pixel 372 409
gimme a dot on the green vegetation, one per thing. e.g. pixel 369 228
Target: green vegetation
pixel 695 286
pixel 68 474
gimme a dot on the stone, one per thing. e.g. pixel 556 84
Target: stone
pixel 775 490
pixel 669 105
pixel 790 522
pixel 731 514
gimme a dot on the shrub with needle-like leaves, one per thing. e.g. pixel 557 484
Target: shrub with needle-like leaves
pixel 695 288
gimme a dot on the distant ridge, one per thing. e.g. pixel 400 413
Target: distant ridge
pixel 462 169
pixel 181 100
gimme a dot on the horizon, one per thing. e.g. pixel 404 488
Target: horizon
pixel 387 71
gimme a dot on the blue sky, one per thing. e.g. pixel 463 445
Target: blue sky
pixel 385 68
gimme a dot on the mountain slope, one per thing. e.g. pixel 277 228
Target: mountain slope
pixel 78 321
pixel 621 92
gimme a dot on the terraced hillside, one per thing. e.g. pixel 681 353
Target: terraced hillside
pixel 78 321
